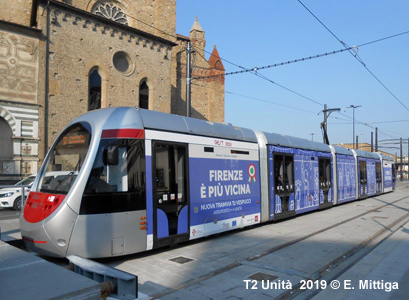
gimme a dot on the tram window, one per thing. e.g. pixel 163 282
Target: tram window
pixel 208 149
pixel 289 177
pixel 378 170
pixel 328 177
pixel 278 170
pixel 67 156
pixel 127 172
pixel 362 169
pixel 321 169
pixel 170 173
pixel 325 171
pixel 239 152
pixel 116 188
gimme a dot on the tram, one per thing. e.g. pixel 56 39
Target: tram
pixel 138 180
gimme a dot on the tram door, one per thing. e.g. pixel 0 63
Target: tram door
pixel 171 214
pixel 362 179
pixel 378 178
pixel 283 186
pixel 325 181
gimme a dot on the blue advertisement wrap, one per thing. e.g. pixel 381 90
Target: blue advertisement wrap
pixel 222 189
pixel 346 178
pixel 371 171
pixel 388 178
pixel 367 188
pixel 307 192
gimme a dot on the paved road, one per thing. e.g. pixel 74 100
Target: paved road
pixel 362 244
pixel 9 214
pixel 319 246
pixel 9 225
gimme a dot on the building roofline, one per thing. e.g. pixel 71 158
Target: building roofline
pixel 112 23
pixel 25 29
pixel 182 37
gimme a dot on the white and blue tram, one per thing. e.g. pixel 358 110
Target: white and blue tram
pixel 137 179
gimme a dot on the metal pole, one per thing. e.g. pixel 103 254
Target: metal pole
pixel 188 79
pixel 356 142
pixel 401 164
pixel 46 83
pixel 327 113
pixel 371 141
pixel 353 127
pixel 376 139
pixel 353 124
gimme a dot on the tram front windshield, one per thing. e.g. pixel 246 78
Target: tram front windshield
pixel 65 160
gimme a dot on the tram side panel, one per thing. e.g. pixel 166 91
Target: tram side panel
pixel 388 178
pixel 300 181
pixel 371 177
pixel 362 178
pixel 346 171
pixel 224 187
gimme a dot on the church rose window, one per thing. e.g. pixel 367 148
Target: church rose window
pixel 111 12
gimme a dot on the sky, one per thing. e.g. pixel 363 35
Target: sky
pixel 289 99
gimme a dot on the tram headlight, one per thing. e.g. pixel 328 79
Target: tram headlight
pixel 61 242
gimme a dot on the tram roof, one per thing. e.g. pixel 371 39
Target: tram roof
pixel 385 157
pixel 295 142
pixel 342 150
pixel 169 122
pixel 361 153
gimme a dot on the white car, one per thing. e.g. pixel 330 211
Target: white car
pixel 11 197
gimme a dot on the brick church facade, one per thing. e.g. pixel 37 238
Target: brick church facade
pixel 60 59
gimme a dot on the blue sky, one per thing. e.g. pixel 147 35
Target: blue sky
pixel 265 32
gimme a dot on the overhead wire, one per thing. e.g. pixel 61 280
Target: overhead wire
pixel 383 39
pixel 356 56
pixel 347 48
pixel 256 69
pixel 271 102
pixel 292 91
pixel 258 74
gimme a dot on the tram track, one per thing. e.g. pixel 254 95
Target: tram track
pixel 329 271
pixel 357 252
pixel 345 261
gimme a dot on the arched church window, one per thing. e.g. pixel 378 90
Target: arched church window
pixel 144 95
pixel 111 12
pixel 6 138
pixel 94 97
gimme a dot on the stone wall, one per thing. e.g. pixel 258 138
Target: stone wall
pixel 157 17
pixel 16 11
pixel 207 90
pixel 81 43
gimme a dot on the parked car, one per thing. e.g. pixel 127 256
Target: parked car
pixel 11 197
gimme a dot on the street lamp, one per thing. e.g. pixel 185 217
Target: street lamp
pixel 353 123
